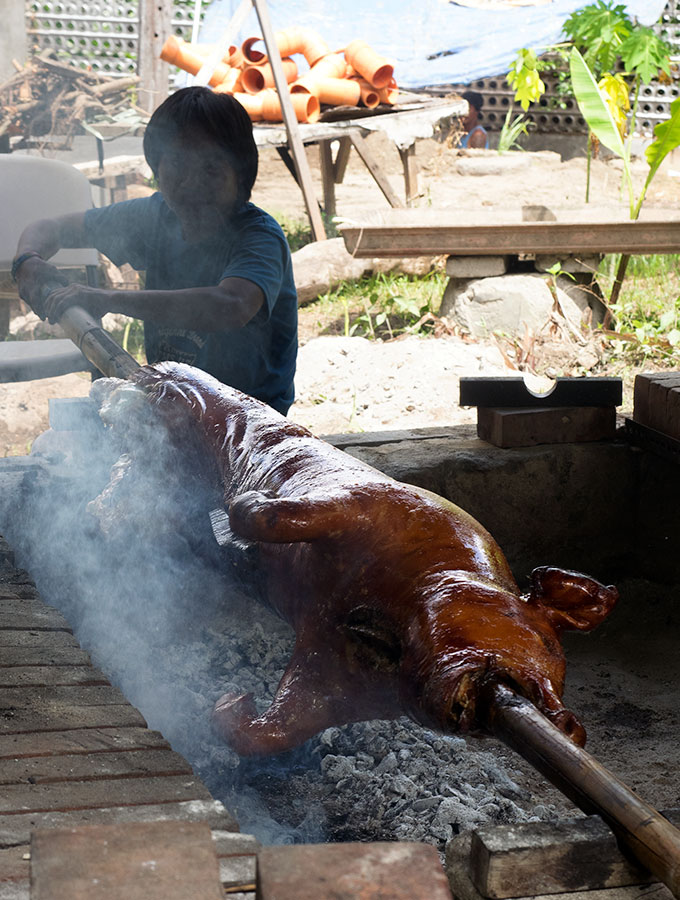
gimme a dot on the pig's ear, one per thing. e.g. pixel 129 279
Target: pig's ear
pixel 571 601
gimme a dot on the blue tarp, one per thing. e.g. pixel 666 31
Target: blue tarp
pixel 432 41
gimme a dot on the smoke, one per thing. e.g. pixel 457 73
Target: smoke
pixel 115 531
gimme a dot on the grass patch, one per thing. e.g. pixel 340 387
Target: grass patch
pixel 381 306
pixel 647 316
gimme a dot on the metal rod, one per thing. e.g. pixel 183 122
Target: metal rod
pixel 640 828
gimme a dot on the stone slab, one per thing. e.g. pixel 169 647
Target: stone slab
pixel 93 767
pixel 16 828
pixel 567 263
pixel 374 871
pixel 142 861
pixel 476 266
pixel 62 718
pixel 26 798
pixel 462 887
pixel 73 695
pixel 44 676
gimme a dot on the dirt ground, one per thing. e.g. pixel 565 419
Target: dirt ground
pixel 351 384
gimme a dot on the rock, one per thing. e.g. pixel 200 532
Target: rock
pixel 319 266
pixel 32 327
pixel 508 304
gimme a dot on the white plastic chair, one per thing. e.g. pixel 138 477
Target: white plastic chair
pixel 31 188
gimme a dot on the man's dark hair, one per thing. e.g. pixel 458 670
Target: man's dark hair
pixel 219 117
pixel 474 98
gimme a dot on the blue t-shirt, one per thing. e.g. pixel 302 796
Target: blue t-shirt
pixel 259 358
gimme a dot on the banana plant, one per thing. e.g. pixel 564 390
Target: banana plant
pixel 596 110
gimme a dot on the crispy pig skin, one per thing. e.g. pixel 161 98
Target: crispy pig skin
pixel 401 602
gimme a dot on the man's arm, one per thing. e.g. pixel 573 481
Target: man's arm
pixel 225 306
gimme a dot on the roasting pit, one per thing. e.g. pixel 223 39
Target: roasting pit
pixel 156 621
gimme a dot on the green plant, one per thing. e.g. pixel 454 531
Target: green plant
pixel 395 305
pixel 523 77
pixel 508 139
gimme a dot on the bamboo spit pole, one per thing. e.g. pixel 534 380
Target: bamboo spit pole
pixel 643 831
pixel 96 344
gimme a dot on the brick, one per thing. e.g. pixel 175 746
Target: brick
pixel 36 676
pixel 379 871
pixel 476 266
pixel 37 640
pixel 43 656
pixel 107 792
pixel 659 387
pixel 62 718
pixel 16 828
pixel 83 740
pixel 86 767
pixel 528 427
pixel 26 614
pixel 41 697
pixel 673 413
pixel 144 861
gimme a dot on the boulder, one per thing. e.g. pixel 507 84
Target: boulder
pixel 508 304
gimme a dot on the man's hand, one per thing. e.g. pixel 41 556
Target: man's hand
pixel 93 300
pixel 33 274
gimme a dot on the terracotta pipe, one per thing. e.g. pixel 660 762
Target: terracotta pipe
pixel 306 107
pixel 181 54
pixel 333 91
pixel 255 57
pixel 289 41
pixel 252 103
pixel 332 65
pixel 256 78
pixel 376 69
pixel 231 83
pixel 369 96
pixel 389 94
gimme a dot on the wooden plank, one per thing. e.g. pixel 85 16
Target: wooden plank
pixel 512 392
pixel 93 767
pixel 61 718
pixel 33 639
pixel 79 740
pixel 43 656
pixel 341 159
pixel 327 177
pixel 436 239
pixel 410 166
pixel 563 425
pixel 142 861
pixel 16 829
pixel 538 858
pixel 56 695
pixel 18 590
pixel 155 24
pixel 13 676
pixel 20 798
pixel 371 163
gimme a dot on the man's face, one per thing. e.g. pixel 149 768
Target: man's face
pixel 199 185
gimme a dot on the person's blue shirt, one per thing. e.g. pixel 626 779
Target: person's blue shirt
pixel 259 358
pixel 463 142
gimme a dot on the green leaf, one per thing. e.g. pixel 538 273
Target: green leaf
pixel 593 105
pixel 666 138
pixel 666 319
pixel 673 337
pixel 645 54
pixel 524 78
pixel 599 30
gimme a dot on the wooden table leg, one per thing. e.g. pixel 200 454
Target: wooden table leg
pixel 371 164
pixel 410 164
pixel 327 177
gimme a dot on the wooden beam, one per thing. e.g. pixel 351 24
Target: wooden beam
pixel 410 166
pixel 155 21
pixel 327 177
pixel 341 159
pixel 371 164
pixel 290 120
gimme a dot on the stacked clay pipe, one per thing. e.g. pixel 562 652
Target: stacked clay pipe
pixel 355 76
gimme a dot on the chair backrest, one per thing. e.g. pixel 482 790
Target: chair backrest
pixel 31 188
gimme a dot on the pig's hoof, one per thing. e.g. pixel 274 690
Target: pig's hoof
pixel 231 714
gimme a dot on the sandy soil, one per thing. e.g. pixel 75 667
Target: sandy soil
pixel 351 384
